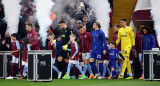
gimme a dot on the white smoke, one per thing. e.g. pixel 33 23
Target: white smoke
pixel 12 14
pixel 43 16
pixel 102 10
pixel 156 17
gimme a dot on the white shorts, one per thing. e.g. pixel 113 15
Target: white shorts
pixel 106 62
pixel 140 56
pixel 85 56
pixel 15 60
pixel 81 64
pixel 73 61
pixel 24 63
pixel 53 60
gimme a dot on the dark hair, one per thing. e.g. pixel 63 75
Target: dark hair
pixel 114 43
pixel 106 39
pixel 98 24
pixel 124 19
pixel 149 31
pixel 116 25
pixel 29 24
pixel 80 27
pixel 61 22
pixel 85 16
pixel 142 24
pixel 25 40
pixel 14 35
pixel 49 34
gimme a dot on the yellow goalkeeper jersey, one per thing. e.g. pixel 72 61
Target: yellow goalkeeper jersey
pixel 127 38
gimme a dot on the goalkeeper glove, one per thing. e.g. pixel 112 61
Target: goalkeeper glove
pixel 65 47
pixel 53 42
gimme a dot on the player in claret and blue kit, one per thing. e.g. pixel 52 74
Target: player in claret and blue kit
pixel 74 59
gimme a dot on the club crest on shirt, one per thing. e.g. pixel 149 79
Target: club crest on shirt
pixel 148 40
pixel 126 32
pixel 97 36
pixel 85 36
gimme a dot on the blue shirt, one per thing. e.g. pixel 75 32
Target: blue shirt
pixel 148 42
pixel 58 46
pixel 97 41
pixel 113 53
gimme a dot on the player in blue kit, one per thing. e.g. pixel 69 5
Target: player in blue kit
pixel 113 54
pixel 97 41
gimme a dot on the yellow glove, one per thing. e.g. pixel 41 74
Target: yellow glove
pixel 53 42
pixel 65 47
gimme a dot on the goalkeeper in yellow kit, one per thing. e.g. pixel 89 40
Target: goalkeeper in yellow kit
pixel 126 36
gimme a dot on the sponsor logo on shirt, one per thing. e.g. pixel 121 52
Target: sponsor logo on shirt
pixel 123 35
pixel 111 54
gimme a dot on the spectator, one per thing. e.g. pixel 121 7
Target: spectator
pixel 92 17
pixel 69 10
pixel 87 23
pixel 21 27
pixel 1 12
pixel 72 25
pixel 79 23
pixel 78 14
pixel 6 42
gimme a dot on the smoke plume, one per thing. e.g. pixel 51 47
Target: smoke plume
pixel 102 10
pixel 156 17
pixel 12 14
pixel 43 16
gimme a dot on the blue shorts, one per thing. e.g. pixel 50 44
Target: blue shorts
pixel 112 63
pixel 142 58
pixel 96 55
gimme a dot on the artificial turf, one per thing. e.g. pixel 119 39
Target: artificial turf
pixel 76 82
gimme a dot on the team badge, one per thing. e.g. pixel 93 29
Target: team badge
pixel 126 32
pixel 98 56
pixel 85 36
pixel 148 40
pixel 97 36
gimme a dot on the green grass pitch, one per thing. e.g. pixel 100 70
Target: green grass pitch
pixel 76 82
